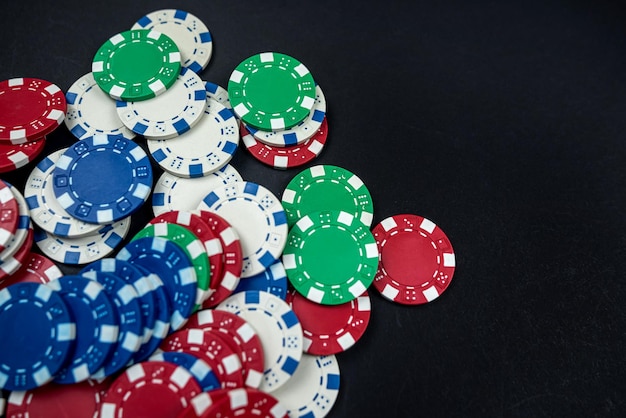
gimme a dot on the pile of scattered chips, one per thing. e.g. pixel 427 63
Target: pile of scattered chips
pixel 231 301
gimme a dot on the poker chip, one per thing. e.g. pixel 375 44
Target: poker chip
pixel 257 216
pixel 218 93
pixel 36 269
pixel 330 329
pixel 228 269
pixel 417 260
pixel 188 32
pixel 175 193
pixel 238 335
pixel 242 402
pixel 299 133
pixel 286 157
pixel 211 348
pixel 96 326
pixel 136 65
pixel 273 280
pixel 45 210
pixel 170 263
pixel 114 191
pixel 170 114
pixel 9 215
pixel 152 388
pixel 327 187
pixel 30 108
pixel 271 91
pixel 190 244
pixel 80 400
pixel 330 257
pixel 90 111
pixel 278 328
pixel 14 156
pixel 12 264
pixel 84 249
pixel 198 368
pixel 31 359
pixel 126 304
pixel 313 389
pixel 14 253
pixel 209 146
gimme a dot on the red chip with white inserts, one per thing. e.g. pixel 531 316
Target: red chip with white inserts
pixel 14 156
pixel 13 263
pixel 36 268
pixel 9 215
pixel 242 402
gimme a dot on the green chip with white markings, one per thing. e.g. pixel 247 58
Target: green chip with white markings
pixel 330 257
pixel 136 65
pixel 191 245
pixel 271 91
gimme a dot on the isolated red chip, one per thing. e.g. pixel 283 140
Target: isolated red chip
pixel 14 156
pixel 30 108
pixel 416 259
pixel 243 402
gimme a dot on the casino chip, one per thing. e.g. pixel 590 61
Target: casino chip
pixel 209 146
pixel 327 187
pixel 11 265
pixel 330 257
pixel 171 113
pixel 30 109
pixel 299 133
pixel 188 32
pixel 238 335
pixel 175 193
pixel 36 269
pixel 273 280
pixel 9 215
pixel 257 216
pixel 286 157
pixel 417 261
pixel 31 359
pixel 271 91
pixel 14 156
pixel 218 93
pixel 242 402
pixel 45 210
pixel 96 326
pixel 330 329
pixel 136 65
pixel 90 111
pixel 278 328
pixel 313 389
pixel 15 252
pixel 118 188
pixel 84 249
pixel 150 389
pixel 199 369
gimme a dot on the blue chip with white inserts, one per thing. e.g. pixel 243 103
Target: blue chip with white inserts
pixel 273 280
pixel 198 368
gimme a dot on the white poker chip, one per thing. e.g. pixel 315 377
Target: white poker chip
pixel 257 216
pixel 299 133
pixel 175 193
pixel 91 111
pixel 45 210
pixel 188 32
pixel 84 249
pixel 313 388
pixel 279 330
pixel 219 93
pixel 169 114
pixel 206 148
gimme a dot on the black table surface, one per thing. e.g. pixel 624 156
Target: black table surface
pixel 503 122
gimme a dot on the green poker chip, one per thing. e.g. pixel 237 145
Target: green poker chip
pixel 327 187
pixel 271 91
pixel 330 257
pixel 191 245
pixel 136 65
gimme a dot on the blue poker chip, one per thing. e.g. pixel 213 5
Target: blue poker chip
pixel 126 300
pixel 273 280
pixel 101 180
pixel 37 334
pixel 170 263
pixel 198 368
pixel 96 326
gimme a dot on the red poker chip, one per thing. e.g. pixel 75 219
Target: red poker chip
pixel 155 389
pixel 239 336
pixel 232 259
pixel 286 157
pixel 211 348
pixel 36 268
pixel 204 401
pixel 30 108
pixel 330 329
pixel 416 259
pixel 81 400
pixel 14 156
pixel 242 402
pixel 9 215
pixel 13 263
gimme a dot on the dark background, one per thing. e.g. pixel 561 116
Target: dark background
pixel 503 122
